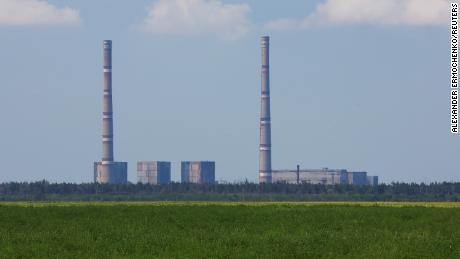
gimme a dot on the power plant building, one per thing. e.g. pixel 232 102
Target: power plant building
pixel 313 176
pixel 107 170
pixel 198 172
pixel 154 172
pixel 323 176
pixel 373 180
pixel 358 178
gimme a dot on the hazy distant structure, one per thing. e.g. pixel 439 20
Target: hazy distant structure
pixel 265 154
pixel 198 172
pixel 154 172
pixel 358 178
pixel 373 180
pixel 323 176
pixel 108 171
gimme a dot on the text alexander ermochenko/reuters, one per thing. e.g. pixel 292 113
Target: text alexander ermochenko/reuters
pixel 454 70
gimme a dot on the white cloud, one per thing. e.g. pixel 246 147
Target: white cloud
pixel 36 12
pixel 371 12
pixel 283 24
pixel 191 17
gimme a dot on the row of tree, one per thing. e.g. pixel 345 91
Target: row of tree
pixel 43 190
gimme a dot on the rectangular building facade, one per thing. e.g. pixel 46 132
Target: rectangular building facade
pixel 322 176
pixel 198 172
pixel 313 176
pixel 373 180
pixel 118 172
pixel 154 172
pixel 358 178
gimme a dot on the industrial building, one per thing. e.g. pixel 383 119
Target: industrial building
pixel 198 172
pixel 158 172
pixel 315 176
pixel 107 170
pixel 154 172
pixel 373 180
pixel 323 176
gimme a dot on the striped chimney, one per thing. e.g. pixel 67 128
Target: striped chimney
pixel 107 115
pixel 107 170
pixel 265 154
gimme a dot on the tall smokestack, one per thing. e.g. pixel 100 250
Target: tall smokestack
pixel 107 114
pixel 265 153
pixel 108 171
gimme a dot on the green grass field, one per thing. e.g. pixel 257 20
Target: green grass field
pixel 229 230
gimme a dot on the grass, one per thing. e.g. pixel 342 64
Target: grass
pixel 229 230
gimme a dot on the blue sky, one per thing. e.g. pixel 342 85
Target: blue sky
pixel 355 84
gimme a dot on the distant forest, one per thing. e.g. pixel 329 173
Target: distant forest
pixel 45 191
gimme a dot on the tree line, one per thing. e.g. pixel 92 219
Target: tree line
pixel 245 191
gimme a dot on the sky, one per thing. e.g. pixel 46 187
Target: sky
pixel 355 84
